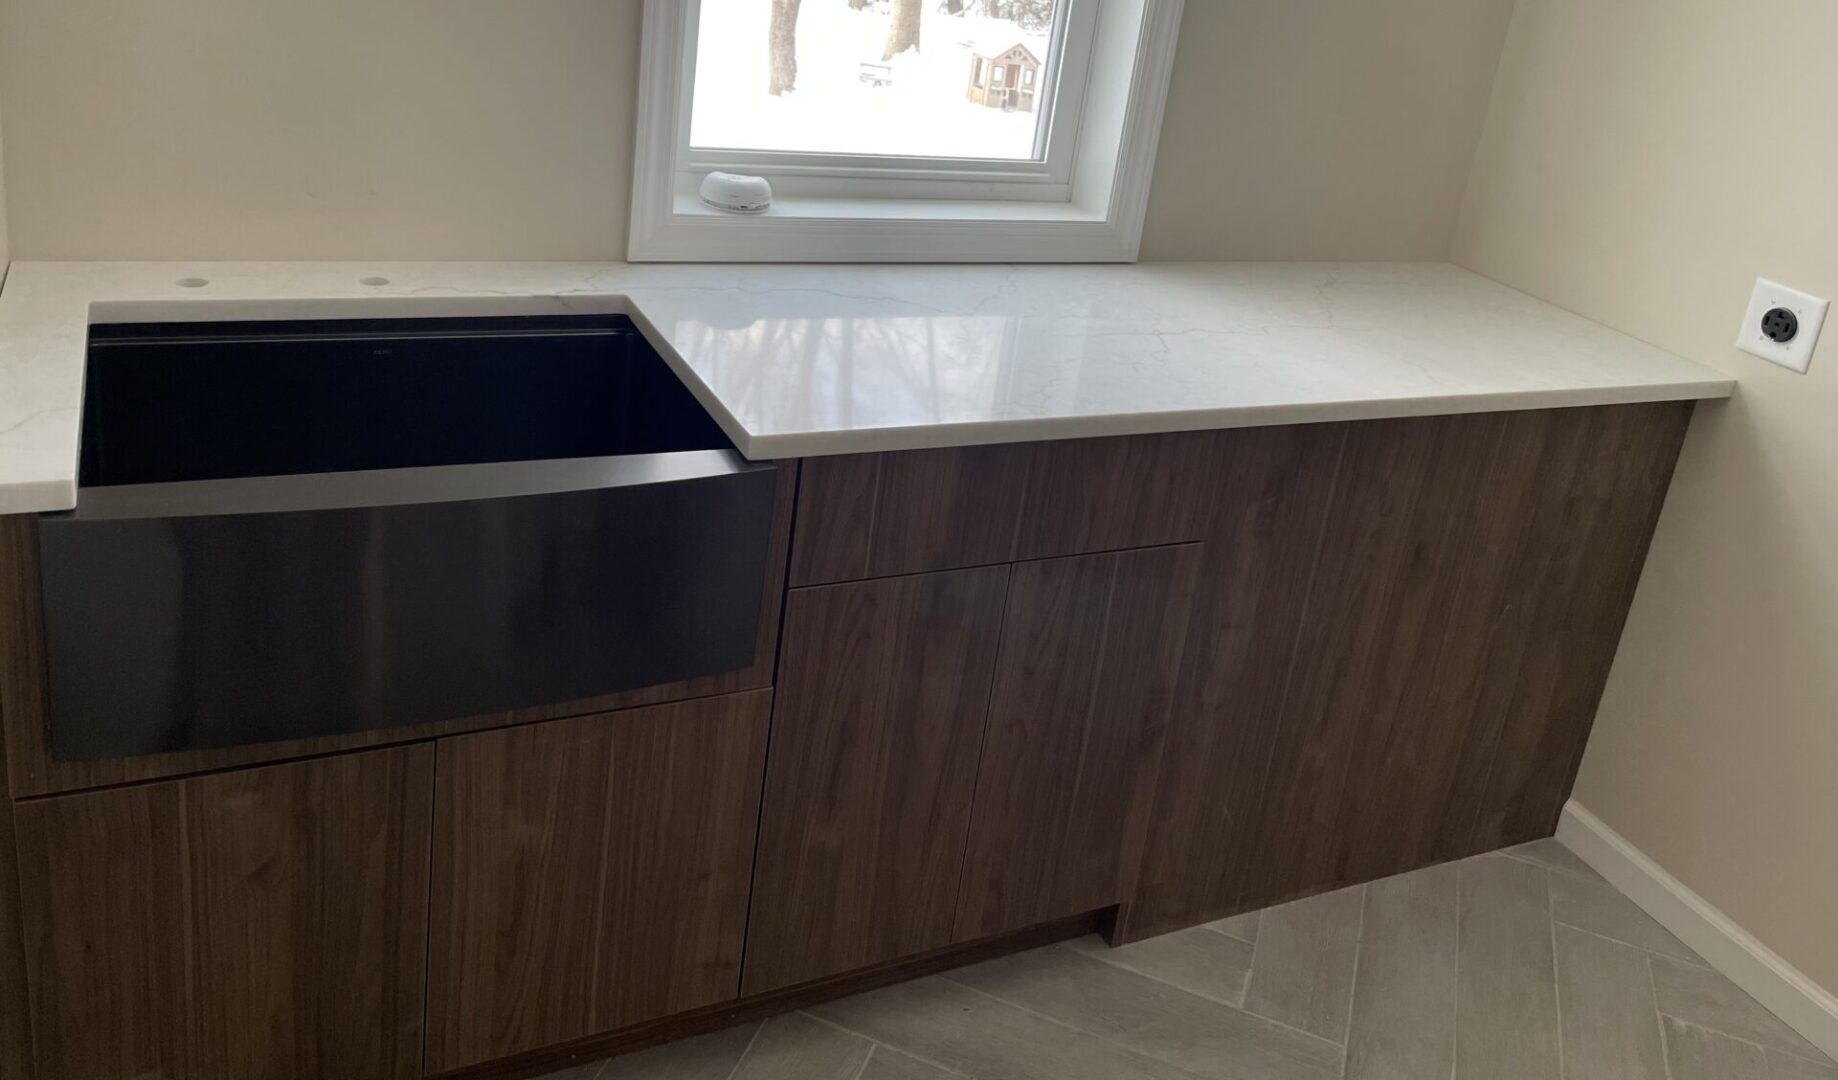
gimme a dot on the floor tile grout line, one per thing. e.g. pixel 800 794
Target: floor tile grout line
pixel 1073 1027
pixel 1250 969
pixel 826 1022
pixel 748 1049
pixel 866 1058
pixel 1455 1021
pixel 1359 951
pixel 1232 937
pixel 1829 1064
pixel 1557 979
pixel 1659 1019
pixel 1700 965
pixel 1744 1039
pixel 1506 853
pixel 1240 1009
pixel 1121 965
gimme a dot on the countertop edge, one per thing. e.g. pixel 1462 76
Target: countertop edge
pixel 42 338
pixel 987 432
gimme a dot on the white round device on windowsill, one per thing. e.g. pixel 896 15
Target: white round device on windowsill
pixel 736 194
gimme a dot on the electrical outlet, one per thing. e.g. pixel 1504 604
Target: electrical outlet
pixel 1782 325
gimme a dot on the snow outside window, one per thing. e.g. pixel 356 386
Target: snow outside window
pixel 886 78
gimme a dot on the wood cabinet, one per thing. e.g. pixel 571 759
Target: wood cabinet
pixel 1406 628
pixel 1175 675
pixel 1091 647
pixel 962 753
pixel 268 923
pixel 590 874
pixel 1400 631
pixel 883 691
pixel 878 515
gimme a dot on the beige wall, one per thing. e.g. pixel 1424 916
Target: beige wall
pixel 1322 129
pixel 3 235
pixel 1638 167
pixel 489 130
pixel 435 129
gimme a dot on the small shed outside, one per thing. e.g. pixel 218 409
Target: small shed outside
pixel 1004 77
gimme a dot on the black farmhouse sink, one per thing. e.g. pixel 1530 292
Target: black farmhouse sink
pixel 295 529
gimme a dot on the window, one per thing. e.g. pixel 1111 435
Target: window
pixel 896 130
pixel 836 79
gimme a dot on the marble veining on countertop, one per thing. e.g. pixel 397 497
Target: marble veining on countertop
pixel 807 360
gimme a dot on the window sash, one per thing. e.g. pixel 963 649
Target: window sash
pixel 1059 101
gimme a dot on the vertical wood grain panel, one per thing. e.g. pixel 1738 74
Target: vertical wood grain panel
pixel 883 691
pixel 1581 579
pixel 265 923
pixel 1095 495
pixel 1091 648
pixel 1270 509
pixel 881 515
pixel 107 935
pixel 1347 756
pixel 1423 685
pixel 16 658
pixel 590 874
pixel 836 517
pixel 308 894
pixel 947 508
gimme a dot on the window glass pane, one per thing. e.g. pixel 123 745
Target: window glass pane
pixel 912 78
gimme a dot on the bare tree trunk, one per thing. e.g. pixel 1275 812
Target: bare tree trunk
pixel 784 46
pixel 904 34
pixel 954 7
pixel 858 5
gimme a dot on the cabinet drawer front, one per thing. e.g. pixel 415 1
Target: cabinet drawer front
pixel 879 515
pixel 268 922
pixel 590 874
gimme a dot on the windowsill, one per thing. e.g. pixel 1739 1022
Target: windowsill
pixel 803 208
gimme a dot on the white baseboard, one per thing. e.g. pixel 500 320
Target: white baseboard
pixel 1784 990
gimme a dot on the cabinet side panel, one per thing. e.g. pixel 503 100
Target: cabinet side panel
pixel 1605 517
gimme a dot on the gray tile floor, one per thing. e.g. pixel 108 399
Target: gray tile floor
pixel 1523 964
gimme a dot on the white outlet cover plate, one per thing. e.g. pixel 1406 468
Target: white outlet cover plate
pixel 1797 353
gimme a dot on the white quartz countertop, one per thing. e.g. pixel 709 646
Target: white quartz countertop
pixel 797 361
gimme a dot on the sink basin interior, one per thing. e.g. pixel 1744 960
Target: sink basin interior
pixel 170 402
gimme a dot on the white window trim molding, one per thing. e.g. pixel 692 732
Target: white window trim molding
pixel 1099 217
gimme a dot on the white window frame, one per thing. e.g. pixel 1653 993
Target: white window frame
pixel 1084 202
